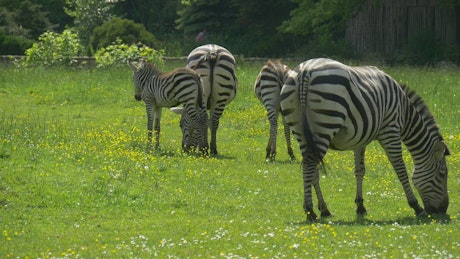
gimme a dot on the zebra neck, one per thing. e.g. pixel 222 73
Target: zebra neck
pixel 419 138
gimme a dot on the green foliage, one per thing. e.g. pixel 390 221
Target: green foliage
pixel 323 17
pixel 88 14
pixel 158 16
pixel 26 19
pixel 126 30
pixel 34 17
pixel 213 16
pixel 322 25
pixel 119 53
pixel 13 45
pixel 324 46
pixel 423 48
pixel 54 49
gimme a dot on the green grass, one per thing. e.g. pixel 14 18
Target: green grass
pixel 76 180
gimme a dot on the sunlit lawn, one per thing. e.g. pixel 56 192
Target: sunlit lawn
pixel 76 180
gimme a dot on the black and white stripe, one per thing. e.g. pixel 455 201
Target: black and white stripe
pixel 180 86
pixel 329 105
pixel 216 66
pixel 267 88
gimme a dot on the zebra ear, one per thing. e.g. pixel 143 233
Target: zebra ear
pixel 440 150
pixel 133 66
pixel 177 110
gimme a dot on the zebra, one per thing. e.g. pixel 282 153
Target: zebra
pixel 216 66
pixel 329 105
pixel 180 86
pixel 267 88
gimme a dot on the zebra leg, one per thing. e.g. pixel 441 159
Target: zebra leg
pixel 203 132
pixel 287 135
pixel 215 116
pixel 322 206
pixel 271 146
pixel 393 151
pixel 150 116
pixel 309 169
pixel 360 170
pixel 156 126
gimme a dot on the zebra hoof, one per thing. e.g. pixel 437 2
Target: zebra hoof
pixel 311 216
pixel 270 159
pixel 325 214
pixel 204 151
pixel 422 214
pixel 361 210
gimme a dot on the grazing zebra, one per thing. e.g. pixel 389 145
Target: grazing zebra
pixel 331 105
pixel 181 86
pixel 267 89
pixel 216 66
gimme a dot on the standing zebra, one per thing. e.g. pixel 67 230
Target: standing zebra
pixel 216 66
pixel 181 86
pixel 267 89
pixel 331 105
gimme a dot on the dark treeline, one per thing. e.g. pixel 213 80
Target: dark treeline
pixel 256 28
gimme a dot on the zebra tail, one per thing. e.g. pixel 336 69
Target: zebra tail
pixel 312 148
pixel 210 56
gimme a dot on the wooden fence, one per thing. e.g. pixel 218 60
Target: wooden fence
pixel 384 26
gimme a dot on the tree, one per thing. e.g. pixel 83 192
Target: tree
pixel 210 15
pixel 88 14
pixel 33 17
pixel 158 16
pixel 126 30
pixel 256 27
pixel 25 19
pixel 321 24
pixel 320 17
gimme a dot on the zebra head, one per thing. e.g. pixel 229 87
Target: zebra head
pixel 137 69
pixel 190 133
pixel 433 190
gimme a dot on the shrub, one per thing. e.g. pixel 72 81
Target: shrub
pixel 54 49
pixel 127 30
pixel 119 53
pixel 423 48
pixel 13 45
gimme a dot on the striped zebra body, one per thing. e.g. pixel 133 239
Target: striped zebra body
pixel 180 86
pixel 267 88
pixel 329 105
pixel 216 67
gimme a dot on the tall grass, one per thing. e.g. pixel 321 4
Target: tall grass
pixel 76 180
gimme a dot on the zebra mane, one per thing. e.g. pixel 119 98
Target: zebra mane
pixel 421 108
pixel 150 67
pixel 278 68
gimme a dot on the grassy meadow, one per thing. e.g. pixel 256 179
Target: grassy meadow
pixel 76 180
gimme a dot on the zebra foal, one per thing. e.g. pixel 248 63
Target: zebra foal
pixel 329 105
pixel 267 88
pixel 181 86
pixel 216 67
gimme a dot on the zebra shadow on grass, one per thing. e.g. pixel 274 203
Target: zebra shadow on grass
pixel 172 151
pixel 364 221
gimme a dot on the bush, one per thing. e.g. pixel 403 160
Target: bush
pixel 13 45
pixel 53 49
pixel 423 48
pixel 126 30
pixel 119 53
